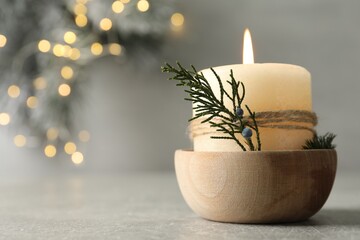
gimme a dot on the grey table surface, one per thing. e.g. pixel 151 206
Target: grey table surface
pixel 149 206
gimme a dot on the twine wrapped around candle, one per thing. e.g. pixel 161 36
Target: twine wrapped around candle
pixel 285 119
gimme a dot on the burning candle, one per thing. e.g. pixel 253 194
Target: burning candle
pixel 269 87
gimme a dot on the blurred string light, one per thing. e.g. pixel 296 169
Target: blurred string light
pixel 67 72
pixel 96 49
pixel 143 5
pixel 32 102
pixel 81 20
pixel 75 52
pixel 70 148
pixel 77 157
pixel 2 40
pixel 4 119
pixel 44 46
pixel 177 19
pixel 20 140
pixel 115 49
pixel 117 7
pixel 105 24
pixel 84 136
pixel 69 37
pixel 50 151
pixel 13 91
pixel 39 83
pixel 64 90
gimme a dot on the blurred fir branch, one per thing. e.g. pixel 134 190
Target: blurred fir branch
pixel 35 71
pixel 320 142
pixel 212 109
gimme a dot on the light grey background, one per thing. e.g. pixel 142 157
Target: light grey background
pixel 137 119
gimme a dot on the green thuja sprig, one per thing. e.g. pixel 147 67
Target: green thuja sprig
pixel 320 142
pixel 208 106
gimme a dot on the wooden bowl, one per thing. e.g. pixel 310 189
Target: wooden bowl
pixel 256 187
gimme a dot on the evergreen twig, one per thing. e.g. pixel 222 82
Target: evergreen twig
pixel 320 142
pixel 207 105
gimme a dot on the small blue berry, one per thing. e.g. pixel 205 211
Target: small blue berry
pixel 239 112
pixel 246 132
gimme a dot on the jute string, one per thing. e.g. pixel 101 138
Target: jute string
pixel 286 119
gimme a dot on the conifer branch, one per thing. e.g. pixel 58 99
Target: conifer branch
pixel 207 105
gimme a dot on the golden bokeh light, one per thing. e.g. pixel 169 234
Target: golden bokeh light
pixel 124 1
pixel 64 90
pixel 74 54
pixel 69 37
pixel 77 157
pixel 39 83
pixel 20 140
pixel 143 5
pixel 80 9
pixel 105 24
pixel 115 49
pixel 96 49
pixel 50 151
pixel 3 40
pixel 52 133
pixel 58 50
pixel 70 148
pixel 67 51
pixel 4 119
pixel 84 136
pixel 117 7
pixel 44 46
pixel 67 72
pixel 81 20
pixel 177 19
pixel 13 91
pixel 32 102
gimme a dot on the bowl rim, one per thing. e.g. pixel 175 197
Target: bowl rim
pixel 190 150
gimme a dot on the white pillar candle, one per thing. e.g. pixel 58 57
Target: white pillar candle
pixel 269 87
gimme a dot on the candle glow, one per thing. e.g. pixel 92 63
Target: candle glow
pixel 248 54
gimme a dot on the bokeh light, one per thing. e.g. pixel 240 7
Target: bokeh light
pixel 44 46
pixel 39 83
pixel 50 151
pixel 81 20
pixel 117 7
pixel 64 90
pixel 58 50
pixel 74 54
pixel 32 102
pixel 115 49
pixel 52 134
pixel 77 157
pixel 67 72
pixel 69 37
pixel 3 40
pixel 70 148
pixel 143 5
pixel 4 119
pixel 96 49
pixel 105 24
pixel 84 136
pixel 13 91
pixel 20 140
pixel 177 19
pixel 80 9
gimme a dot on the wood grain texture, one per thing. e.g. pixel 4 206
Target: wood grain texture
pixel 256 187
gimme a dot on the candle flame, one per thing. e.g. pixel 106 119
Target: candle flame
pixel 248 55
